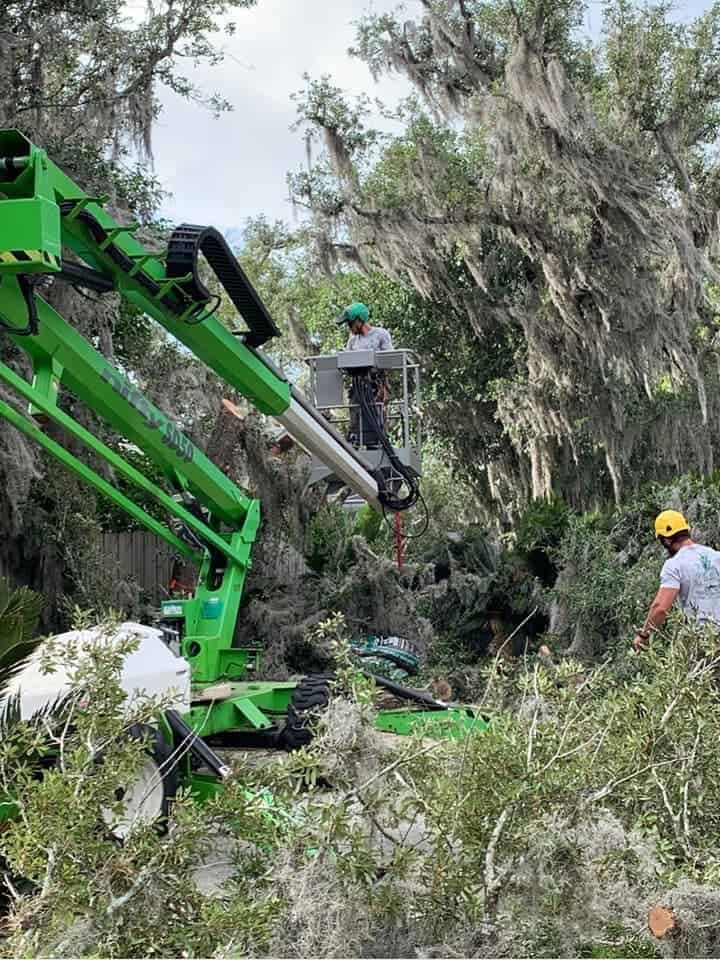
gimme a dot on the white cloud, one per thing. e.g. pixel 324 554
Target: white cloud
pixel 221 171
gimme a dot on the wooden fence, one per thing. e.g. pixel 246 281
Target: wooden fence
pixel 146 559
pixel 142 557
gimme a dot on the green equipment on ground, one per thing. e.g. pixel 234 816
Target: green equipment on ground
pixel 393 657
pixel 50 232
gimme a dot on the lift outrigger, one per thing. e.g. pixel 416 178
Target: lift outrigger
pixel 51 229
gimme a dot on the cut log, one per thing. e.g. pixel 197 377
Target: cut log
pixel 234 410
pixel 662 921
pixel 441 690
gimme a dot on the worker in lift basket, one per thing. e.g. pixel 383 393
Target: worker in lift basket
pixel 691 572
pixel 363 336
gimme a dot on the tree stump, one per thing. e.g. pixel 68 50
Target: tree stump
pixel 662 922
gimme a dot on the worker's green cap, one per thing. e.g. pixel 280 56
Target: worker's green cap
pixel 355 311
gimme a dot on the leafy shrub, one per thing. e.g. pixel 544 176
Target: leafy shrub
pixel 327 540
pixel 86 888
pixel 542 525
pixel 590 797
pixel 610 562
pixel 538 533
pixel 370 525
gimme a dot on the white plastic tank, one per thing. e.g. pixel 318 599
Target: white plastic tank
pixel 151 670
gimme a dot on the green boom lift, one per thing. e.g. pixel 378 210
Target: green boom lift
pixel 44 215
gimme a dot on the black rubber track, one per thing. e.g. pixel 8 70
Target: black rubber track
pixel 186 242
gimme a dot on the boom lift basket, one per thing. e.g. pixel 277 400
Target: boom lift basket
pixel 397 374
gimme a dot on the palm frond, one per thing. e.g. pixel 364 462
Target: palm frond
pixel 19 616
pixel 52 715
pixel 9 713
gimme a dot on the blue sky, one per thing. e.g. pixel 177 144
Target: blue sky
pixel 222 171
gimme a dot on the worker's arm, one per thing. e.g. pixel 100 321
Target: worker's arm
pixel 659 609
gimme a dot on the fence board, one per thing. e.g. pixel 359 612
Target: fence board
pixel 142 557
pixel 146 559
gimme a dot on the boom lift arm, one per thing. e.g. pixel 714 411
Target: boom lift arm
pixel 43 213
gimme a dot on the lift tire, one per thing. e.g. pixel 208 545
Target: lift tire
pixel 311 696
pixel 147 799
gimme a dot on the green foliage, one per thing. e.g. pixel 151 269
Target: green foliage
pixel 452 504
pixel 625 743
pixel 112 517
pixel 370 525
pixel 441 527
pixel 594 790
pixel 19 617
pixel 591 795
pixel 595 588
pixel 82 80
pixel 474 552
pixel 350 682
pixel 327 540
pixel 131 184
pixel 610 561
pixel 542 525
pixel 624 949
pixel 476 587
pixel 456 367
pixel 87 887
pixel 132 334
pixel 498 263
pixel 95 72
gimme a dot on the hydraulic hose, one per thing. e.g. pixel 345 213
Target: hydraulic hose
pixel 175 303
pixel 386 497
pixel 25 283
pixel 197 745
pixel 407 693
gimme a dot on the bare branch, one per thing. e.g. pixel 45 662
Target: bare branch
pixel 393 766
pixel 492 878
pixel 613 784
pixel 533 725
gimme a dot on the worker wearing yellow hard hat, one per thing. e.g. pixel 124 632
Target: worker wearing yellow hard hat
pixel 669 523
pixel 691 574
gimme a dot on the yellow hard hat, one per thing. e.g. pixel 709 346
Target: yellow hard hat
pixel 670 522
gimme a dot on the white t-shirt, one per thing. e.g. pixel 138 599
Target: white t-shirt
pixel 695 571
pixel 377 339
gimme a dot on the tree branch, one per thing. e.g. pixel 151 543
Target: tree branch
pixel 492 879
pixel 612 784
